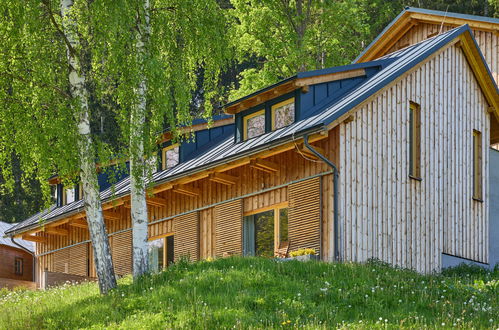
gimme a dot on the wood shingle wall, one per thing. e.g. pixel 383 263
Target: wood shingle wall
pixel 389 216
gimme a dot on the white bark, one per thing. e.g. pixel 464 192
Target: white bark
pixel 138 165
pixel 93 207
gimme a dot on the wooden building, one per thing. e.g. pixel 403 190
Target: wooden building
pixel 402 139
pixel 16 261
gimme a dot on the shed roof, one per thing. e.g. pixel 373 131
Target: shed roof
pixel 228 150
pixel 4 226
pixel 410 15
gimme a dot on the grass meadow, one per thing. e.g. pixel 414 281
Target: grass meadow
pixel 256 293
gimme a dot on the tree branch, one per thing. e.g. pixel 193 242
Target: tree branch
pixel 46 4
pixel 42 85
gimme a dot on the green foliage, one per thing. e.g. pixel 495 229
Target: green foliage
pixel 285 37
pixel 262 293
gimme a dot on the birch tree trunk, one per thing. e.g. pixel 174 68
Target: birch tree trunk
pixel 93 207
pixel 138 165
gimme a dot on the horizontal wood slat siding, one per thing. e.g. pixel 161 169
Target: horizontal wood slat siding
pixel 304 215
pixel 229 228
pixel 292 166
pixel 121 249
pixel 78 260
pixel 61 261
pixel 389 216
pixel 186 229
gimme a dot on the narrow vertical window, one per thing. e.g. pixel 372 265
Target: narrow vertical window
pixel 477 165
pixel 415 141
pixel 18 266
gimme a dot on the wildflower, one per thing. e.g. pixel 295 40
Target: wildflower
pixel 323 289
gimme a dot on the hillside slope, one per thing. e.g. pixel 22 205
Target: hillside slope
pixel 261 293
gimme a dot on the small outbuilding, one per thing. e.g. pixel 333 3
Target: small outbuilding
pixel 16 261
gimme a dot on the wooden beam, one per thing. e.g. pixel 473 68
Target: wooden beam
pixel 79 223
pixel 186 190
pixel 262 97
pixel 156 201
pixel 330 77
pixel 36 239
pixel 264 165
pixel 58 223
pixel 111 215
pixel 57 231
pixel 223 178
pixel 236 163
pixel 304 150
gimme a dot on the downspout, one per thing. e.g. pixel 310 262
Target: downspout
pixel 335 192
pixel 34 257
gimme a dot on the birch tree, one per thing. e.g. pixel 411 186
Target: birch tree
pixel 45 111
pixel 160 53
pixel 93 206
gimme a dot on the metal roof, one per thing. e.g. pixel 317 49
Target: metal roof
pixel 6 241
pixel 227 150
pixel 429 12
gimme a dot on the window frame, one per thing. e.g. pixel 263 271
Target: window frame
pixel 277 221
pixel 249 116
pixel 274 106
pixel 165 246
pixel 477 166
pixel 164 150
pixel 414 141
pixel 19 271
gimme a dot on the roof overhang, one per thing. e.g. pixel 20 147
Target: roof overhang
pixel 481 71
pixel 301 80
pixel 283 144
pixel 413 16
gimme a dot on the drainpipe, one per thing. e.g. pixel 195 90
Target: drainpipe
pixel 34 257
pixel 335 192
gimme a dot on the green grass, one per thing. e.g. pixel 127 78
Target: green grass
pixel 261 293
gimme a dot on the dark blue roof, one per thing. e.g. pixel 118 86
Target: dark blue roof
pixel 227 150
pixel 430 12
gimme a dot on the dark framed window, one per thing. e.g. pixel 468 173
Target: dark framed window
pixel 19 266
pixel 161 252
pixel 265 230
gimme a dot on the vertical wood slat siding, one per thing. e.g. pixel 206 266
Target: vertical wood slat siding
pixel 415 221
pixel 186 229
pixel 121 250
pixel 304 215
pixel 78 260
pixel 229 228
pixel 487 41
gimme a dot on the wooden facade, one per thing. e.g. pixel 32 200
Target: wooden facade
pixel 15 264
pixel 390 216
pixel 409 188
pixel 210 223
pixel 488 41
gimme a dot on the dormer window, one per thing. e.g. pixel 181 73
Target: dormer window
pixel 170 156
pixel 283 113
pixel 69 195
pixel 254 124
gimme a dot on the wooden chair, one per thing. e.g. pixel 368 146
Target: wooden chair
pixel 282 251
